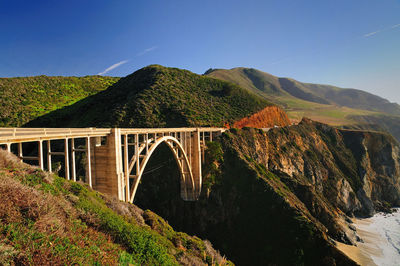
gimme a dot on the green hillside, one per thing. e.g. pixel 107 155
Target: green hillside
pixel 157 96
pixel 324 103
pixel 46 220
pixel 25 98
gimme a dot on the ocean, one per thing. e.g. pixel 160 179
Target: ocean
pixel 381 234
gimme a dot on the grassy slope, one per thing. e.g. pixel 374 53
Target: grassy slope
pixel 157 96
pixel 322 103
pixel 45 219
pixel 25 98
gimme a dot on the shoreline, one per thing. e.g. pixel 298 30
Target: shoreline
pixel 375 248
pixel 355 253
pixel 365 252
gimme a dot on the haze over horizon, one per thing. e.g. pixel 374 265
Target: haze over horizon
pixel 347 44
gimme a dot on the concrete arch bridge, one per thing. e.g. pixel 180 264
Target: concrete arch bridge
pixel 115 157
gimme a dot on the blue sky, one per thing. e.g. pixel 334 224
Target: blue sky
pixel 345 43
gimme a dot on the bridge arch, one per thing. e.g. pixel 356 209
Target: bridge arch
pixel 188 185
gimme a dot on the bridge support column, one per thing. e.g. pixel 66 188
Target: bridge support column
pixel 196 162
pixel 40 154
pixel 48 156
pixel 88 162
pixel 20 153
pixel 108 170
pixel 66 159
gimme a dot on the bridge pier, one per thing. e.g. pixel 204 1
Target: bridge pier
pixel 106 164
pixel 195 152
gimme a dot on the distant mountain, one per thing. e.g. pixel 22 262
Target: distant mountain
pixel 270 86
pixel 157 96
pixel 324 103
pixel 25 98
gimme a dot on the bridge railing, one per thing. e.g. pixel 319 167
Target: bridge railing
pixel 165 130
pixel 14 135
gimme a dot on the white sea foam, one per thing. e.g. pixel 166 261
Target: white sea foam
pixel 386 228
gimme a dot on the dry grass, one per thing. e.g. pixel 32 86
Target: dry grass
pixel 214 254
pixel 129 211
pixel 43 224
pixel 8 254
pixel 8 160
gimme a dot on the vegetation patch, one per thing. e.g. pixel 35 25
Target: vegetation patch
pixel 26 98
pixel 46 219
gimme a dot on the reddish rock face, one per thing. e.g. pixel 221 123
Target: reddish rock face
pixel 268 117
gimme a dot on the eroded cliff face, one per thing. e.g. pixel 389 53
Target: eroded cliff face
pixel 357 172
pixel 280 196
pixel 378 164
pixel 335 173
pixel 268 117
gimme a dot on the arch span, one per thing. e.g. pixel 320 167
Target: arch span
pixel 188 185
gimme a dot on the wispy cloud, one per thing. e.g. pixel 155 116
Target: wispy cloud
pixel 371 33
pixel 145 51
pixel 113 67
pixel 379 31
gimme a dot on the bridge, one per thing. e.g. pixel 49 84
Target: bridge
pixel 115 158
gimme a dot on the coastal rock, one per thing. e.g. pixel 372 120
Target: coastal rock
pixel 333 172
pixel 266 118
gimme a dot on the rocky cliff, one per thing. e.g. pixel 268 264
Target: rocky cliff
pixel 281 196
pixel 356 171
pixel 268 117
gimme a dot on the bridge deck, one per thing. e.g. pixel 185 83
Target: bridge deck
pixel 15 135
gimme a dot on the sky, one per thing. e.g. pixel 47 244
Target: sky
pixel 347 43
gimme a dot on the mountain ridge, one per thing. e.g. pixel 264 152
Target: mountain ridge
pixel 349 108
pixel 322 91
